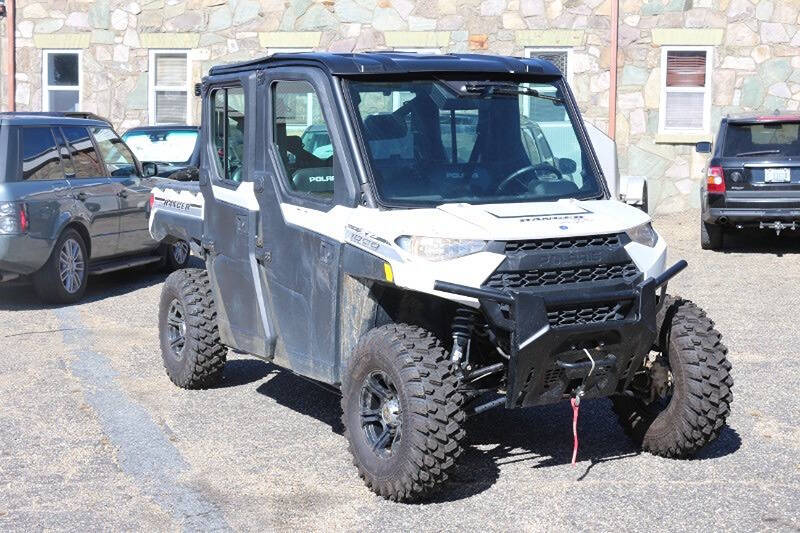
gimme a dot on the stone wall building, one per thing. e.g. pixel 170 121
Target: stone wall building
pixel 682 64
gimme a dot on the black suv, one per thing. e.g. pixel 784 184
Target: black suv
pixel 74 201
pixel 753 178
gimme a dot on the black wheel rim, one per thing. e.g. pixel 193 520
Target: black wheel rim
pixel 180 252
pixel 176 329
pixel 381 415
pixel 655 384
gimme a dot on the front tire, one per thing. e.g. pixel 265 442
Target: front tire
pixel 62 280
pixel 193 354
pixel 402 411
pixel 679 422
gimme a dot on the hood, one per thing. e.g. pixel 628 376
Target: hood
pixel 539 220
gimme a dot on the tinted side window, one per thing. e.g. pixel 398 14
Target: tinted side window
pixel 227 130
pixel 84 157
pixel 66 160
pixel 118 158
pixel 40 159
pixel 302 138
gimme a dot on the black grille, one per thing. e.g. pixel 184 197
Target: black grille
pixel 562 244
pixel 588 314
pixel 537 278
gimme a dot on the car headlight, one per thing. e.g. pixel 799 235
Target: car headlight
pixel 438 249
pixel 644 234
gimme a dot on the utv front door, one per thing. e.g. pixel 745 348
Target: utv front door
pixel 231 232
pixel 298 219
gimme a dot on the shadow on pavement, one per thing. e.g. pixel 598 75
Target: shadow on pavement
pixel 761 242
pixel 539 436
pixel 20 296
pixel 240 372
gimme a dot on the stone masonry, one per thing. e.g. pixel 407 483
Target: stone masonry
pixel 756 54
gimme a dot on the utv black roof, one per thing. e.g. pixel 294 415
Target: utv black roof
pixel 395 63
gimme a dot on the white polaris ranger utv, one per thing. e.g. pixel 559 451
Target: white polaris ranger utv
pixel 434 236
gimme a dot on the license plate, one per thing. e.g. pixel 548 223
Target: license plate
pixel 777 175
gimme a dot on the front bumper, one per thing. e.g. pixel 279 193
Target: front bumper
pixel 548 359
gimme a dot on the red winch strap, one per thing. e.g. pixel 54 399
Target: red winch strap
pixel 576 405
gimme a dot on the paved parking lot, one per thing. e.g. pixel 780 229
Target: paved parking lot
pixel 93 434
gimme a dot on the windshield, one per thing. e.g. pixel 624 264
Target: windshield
pixel 430 142
pixel 778 138
pixel 163 146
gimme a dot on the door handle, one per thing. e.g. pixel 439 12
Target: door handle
pixel 81 196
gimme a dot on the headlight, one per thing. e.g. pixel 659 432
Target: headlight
pixel 436 249
pixel 644 234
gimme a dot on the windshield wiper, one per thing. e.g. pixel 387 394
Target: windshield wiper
pixel 487 90
pixel 758 152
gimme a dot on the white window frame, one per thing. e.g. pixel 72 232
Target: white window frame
pixel 708 95
pixel 531 51
pixel 46 87
pixel 152 88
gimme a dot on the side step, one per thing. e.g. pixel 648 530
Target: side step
pixel 113 265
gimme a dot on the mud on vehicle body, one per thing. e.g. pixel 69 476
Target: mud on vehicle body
pixel 441 261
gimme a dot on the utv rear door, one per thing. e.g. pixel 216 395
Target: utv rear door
pixel 231 233
pixel 303 192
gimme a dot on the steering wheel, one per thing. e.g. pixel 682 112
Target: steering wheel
pixel 517 174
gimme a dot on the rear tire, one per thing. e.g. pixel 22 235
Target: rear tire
pixel 701 386
pixel 193 354
pixel 62 280
pixel 711 236
pixel 405 439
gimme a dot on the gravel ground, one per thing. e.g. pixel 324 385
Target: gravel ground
pixel 93 435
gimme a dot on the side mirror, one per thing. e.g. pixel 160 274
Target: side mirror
pixel 149 169
pixel 703 147
pixel 567 165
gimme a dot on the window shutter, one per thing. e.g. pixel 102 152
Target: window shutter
pixel 686 68
pixel 170 107
pixel 685 110
pixel 170 69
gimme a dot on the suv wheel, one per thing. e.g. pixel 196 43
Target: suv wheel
pixel 63 278
pixel 402 411
pixel 711 236
pixel 191 349
pixel 682 397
